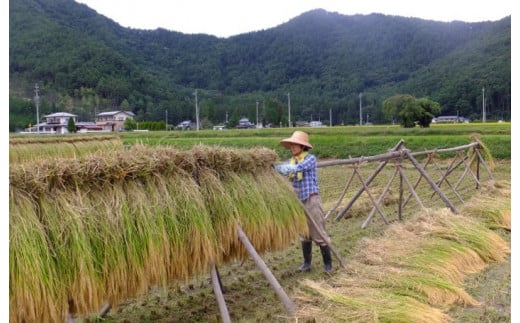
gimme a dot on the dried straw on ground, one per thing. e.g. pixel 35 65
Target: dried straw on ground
pixel 415 271
pixel 110 226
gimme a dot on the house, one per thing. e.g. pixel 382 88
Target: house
pixel 113 120
pixel 56 123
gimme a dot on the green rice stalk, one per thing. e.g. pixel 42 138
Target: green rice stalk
pixel 288 216
pixel 35 286
pixel 256 205
pixel 105 227
pixel 223 210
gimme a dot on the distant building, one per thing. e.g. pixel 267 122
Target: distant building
pixel 113 120
pixel 55 123
pixel 449 119
pixel 316 124
pixel 244 123
pixel 88 126
pixel 58 123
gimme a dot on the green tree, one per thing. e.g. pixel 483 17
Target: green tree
pixel 407 110
pixel 71 125
pixel 130 124
pixel 125 106
pixel 429 110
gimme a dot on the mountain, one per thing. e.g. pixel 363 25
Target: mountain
pixel 86 63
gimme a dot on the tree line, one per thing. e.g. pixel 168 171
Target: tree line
pixel 318 62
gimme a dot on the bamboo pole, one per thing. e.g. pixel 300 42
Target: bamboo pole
pixel 224 314
pixel 289 305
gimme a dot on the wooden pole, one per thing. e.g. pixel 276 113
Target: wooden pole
pixel 104 311
pixel 410 187
pixel 218 294
pixel 289 306
pixel 342 196
pixel 401 192
pixel 393 154
pixel 431 182
pixel 466 171
pixel 444 178
pixel 483 163
pixel 419 179
pixel 380 200
pixel 376 205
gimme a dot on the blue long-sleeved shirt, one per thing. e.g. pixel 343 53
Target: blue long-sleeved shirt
pixel 309 182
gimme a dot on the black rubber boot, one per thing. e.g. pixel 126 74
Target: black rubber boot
pixel 327 259
pixel 307 255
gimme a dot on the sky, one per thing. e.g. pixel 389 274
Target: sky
pixel 224 18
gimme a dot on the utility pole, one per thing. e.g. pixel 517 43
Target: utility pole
pixel 289 108
pixel 360 110
pixel 483 106
pixel 166 116
pixel 196 109
pixel 257 114
pixel 330 117
pixel 37 101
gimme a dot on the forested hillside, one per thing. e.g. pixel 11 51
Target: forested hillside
pixel 85 63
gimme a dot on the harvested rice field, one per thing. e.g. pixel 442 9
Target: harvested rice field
pixel 123 234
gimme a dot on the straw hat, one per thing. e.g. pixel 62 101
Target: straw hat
pixel 298 137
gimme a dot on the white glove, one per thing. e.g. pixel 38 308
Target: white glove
pixel 286 169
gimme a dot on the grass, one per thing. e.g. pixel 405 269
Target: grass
pixel 340 141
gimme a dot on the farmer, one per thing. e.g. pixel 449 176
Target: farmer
pixel 303 173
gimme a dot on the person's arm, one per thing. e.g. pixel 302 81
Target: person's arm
pixel 286 169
